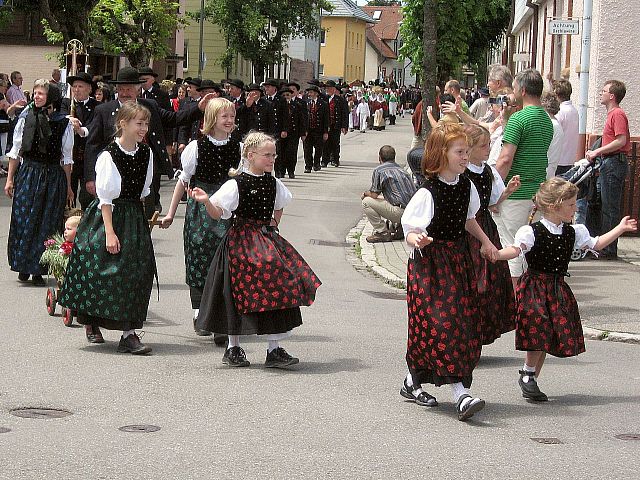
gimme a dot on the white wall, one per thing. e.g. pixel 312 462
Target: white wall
pixel 371 62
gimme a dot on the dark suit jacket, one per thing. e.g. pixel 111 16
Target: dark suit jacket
pixel 322 114
pixel 340 118
pixel 84 113
pixel 260 116
pixel 242 117
pixel 101 130
pixel 186 133
pixel 162 99
pixel 292 118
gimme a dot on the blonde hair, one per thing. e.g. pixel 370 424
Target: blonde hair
pixel 128 111
pixel 74 220
pixel 553 192
pixel 475 133
pixel 252 142
pixel 214 107
pixel 72 212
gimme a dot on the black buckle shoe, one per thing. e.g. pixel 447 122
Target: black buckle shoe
pixel 94 335
pixel 132 345
pixel 235 357
pixel 202 333
pixel 471 407
pixel 279 358
pixel 423 398
pixel 530 389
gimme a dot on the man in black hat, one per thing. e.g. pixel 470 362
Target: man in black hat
pixel 259 110
pixel 236 94
pixel 338 123
pixel 291 129
pixel 317 131
pixel 151 90
pixel 83 108
pixel 101 131
pixel 186 133
pixel 209 86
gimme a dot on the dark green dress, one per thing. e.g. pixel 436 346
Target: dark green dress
pixel 113 291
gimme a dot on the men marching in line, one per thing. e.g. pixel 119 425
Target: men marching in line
pixel 338 123
pixel 317 131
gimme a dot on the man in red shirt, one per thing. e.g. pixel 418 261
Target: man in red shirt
pixel 616 145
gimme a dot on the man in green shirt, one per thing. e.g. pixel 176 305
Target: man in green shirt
pixel 453 87
pixel 526 140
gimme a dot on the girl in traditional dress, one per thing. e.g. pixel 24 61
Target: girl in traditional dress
pixel 112 265
pixel 43 137
pixel 547 319
pixel 257 281
pixel 205 164
pixel 444 338
pixel 494 289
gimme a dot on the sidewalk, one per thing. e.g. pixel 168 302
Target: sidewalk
pixel 606 291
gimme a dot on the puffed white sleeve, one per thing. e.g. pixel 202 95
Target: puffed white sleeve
pixel 419 213
pixel 583 238
pixel 497 186
pixel 283 195
pixel 474 202
pixel 17 139
pixel 67 146
pixel 226 198
pixel 189 161
pixel 524 239
pixel 146 191
pixel 108 180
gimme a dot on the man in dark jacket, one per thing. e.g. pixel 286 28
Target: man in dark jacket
pixel 237 96
pixel 292 129
pixel 317 131
pixel 338 123
pixel 259 110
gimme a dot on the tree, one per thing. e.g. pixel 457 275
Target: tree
pixel 429 61
pixel 138 29
pixel 259 30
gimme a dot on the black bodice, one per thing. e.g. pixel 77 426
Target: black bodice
pixel 214 161
pixel 54 146
pixel 451 203
pixel 132 169
pixel 257 196
pixel 551 253
pixel 484 183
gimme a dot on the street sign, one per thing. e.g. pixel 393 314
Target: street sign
pixel 564 27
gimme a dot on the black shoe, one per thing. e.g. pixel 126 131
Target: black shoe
pixel 220 339
pixel 470 408
pixel 23 277
pixel 335 164
pixel 398 234
pixel 324 165
pixel 279 358
pixel 202 333
pixel 530 389
pixel 292 175
pixel 423 398
pixel 307 170
pixel 235 357
pixel 38 281
pixel 132 345
pixel 158 208
pixel 94 335
pixel 317 169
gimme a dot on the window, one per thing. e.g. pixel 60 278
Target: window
pixel 323 37
pixel 321 70
pixel 377 14
pixel 185 61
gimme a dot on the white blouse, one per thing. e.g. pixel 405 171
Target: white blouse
pixel 189 158
pixel 67 142
pixel 108 179
pixel 419 212
pixel 227 197
pixel 497 185
pixel 525 238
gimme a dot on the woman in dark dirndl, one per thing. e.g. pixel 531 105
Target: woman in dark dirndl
pixel 205 164
pixel 444 332
pixel 547 319
pixel 40 184
pixel 257 281
pixel 493 286
pixel 112 265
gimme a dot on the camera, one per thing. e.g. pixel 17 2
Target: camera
pixel 499 100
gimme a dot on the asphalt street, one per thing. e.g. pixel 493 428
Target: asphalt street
pixel 337 415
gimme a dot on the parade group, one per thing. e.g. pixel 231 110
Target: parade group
pixel 221 143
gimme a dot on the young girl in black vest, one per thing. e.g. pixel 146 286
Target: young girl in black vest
pixel 444 334
pixel 547 319
pixel 205 164
pixel 494 289
pixel 257 281
pixel 110 272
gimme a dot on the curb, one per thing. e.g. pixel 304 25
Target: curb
pixel 358 234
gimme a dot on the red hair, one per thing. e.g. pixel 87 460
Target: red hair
pixel 439 141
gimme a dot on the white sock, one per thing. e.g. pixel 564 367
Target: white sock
pixel 126 333
pixel 458 391
pixel 234 341
pixel 273 344
pixel 414 391
pixel 527 368
pixel 196 311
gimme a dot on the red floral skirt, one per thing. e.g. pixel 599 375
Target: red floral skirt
pixel 444 337
pixel 494 290
pixel 547 319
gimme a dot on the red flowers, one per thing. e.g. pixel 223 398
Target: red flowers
pixel 65 248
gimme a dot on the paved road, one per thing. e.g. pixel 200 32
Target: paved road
pixel 338 415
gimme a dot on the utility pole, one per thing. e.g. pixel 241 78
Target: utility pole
pixel 201 47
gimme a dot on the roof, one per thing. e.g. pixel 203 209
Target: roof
pixel 381 47
pixel 347 8
pixel 388 22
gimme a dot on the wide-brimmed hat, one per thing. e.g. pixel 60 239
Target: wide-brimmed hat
pixel 314 88
pixel 147 71
pixel 209 84
pixel 236 82
pixel 254 87
pixel 193 81
pixel 272 82
pixel 331 83
pixel 127 76
pixel 82 76
pixel 293 84
pixel 286 90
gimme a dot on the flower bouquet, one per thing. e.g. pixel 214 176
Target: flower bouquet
pixel 56 256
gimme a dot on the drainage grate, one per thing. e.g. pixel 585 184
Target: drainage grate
pixel 628 436
pixel 40 413
pixel 4 430
pixel 384 295
pixel 327 243
pixel 547 440
pixel 139 428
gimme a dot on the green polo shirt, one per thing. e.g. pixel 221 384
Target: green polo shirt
pixel 531 131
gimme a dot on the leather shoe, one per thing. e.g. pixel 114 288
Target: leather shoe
pixel 317 169
pixel 530 389
pixel 132 345
pixel 220 339
pixel 200 332
pixel 307 170
pixel 423 398
pixel 235 357
pixel 292 175
pixel 23 277
pixel 94 335
pixel 279 358
pixel 378 237
pixel 470 408
pixel 38 281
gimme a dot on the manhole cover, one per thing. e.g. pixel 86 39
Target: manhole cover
pixel 40 413
pixel 327 243
pixel 548 440
pixel 385 295
pixel 4 430
pixel 139 428
pixel 628 436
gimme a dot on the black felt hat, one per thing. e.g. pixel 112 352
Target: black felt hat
pixel 314 88
pixel 272 82
pixel 253 87
pixel 193 81
pixel 127 76
pixel 83 77
pixel 209 84
pixel 331 83
pixel 286 90
pixel 147 71
pixel 294 84
pixel 236 82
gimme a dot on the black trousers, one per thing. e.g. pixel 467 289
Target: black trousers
pixel 80 193
pixel 152 201
pixel 287 155
pixel 331 153
pixel 313 146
